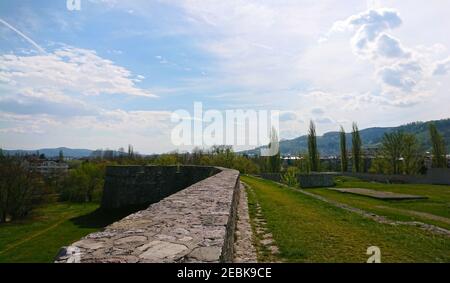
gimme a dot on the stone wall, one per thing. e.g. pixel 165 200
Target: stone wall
pixel 312 180
pixel 140 186
pixel 276 177
pixel 435 176
pixel 195 224
pixel 316 180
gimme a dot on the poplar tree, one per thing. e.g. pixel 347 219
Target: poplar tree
pixel 356 149
pixel 313 152
pixel 344 160
pixel 438 148
pixel 274 160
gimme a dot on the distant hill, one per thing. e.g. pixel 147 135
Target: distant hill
pixel 371 137
pixel 328 143
pixel 53 152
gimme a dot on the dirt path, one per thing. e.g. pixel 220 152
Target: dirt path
pixel 32 236
pixel 244 251
pixel 417 213
pixel 266 249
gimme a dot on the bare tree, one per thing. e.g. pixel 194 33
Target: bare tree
pixel 18 187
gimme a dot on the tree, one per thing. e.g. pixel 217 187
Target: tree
pixel 401 151
pixel 391 150
pixel 274 160
pixel 166 159
pixel 83 183
pixel 313 153
pixel 356 149
pixel 412 157
pixel 438 148
pixel 61 155
pixel 196 156
pixel 303 163
pixel 19 188
pixel 379 165
pixel 344 161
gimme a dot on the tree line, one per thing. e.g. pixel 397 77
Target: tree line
pixel 399 152
pixel 21 189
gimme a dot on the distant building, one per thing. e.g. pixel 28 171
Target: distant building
pixel 48 168
pixel 289 160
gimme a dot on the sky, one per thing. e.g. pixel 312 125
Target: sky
pixel 113 72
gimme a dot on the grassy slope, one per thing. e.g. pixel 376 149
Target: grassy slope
pixel 39 237
pixel 438 202
pixel 309 230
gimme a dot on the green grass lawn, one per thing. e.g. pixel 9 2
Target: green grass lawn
pixel 437 204
pixel 39 237
pixel 309 230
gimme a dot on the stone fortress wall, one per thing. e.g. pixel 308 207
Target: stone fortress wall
pixel 137 186
pixel 191 218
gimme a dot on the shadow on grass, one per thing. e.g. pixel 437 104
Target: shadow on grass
pixel 101 218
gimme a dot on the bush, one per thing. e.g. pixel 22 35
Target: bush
pixel 290 177
pixel 20 189
pixel 84 184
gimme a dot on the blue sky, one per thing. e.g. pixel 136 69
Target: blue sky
pixel 112 73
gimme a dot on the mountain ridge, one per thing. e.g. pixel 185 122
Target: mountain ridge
pixel 328 144
pixel 52 152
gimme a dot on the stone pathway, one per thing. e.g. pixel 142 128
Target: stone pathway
pixel 265 244
pixel 195 224
pixel 417 213
pixel 244 251
pixel 377 194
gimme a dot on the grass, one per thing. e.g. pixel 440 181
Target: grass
pixel 309 230
pixel 38 238
pixel 424 210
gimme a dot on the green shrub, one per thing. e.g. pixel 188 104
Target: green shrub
pixel 290 177
pixel 84 184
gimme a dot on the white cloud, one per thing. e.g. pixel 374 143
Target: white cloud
pixel 255 40
pixel 442 67
pixel 390 47
pixel 403 73
pixel 26 123
pixel 370 39
pixel 317 111
pixel 47 93
pixel 288 116
pixel 376 67
pixel 68 69
pixel 148 131
pixel 30 101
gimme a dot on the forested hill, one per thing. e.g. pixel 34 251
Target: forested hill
pixel 371 137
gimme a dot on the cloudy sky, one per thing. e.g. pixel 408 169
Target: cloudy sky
pixel 112 73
